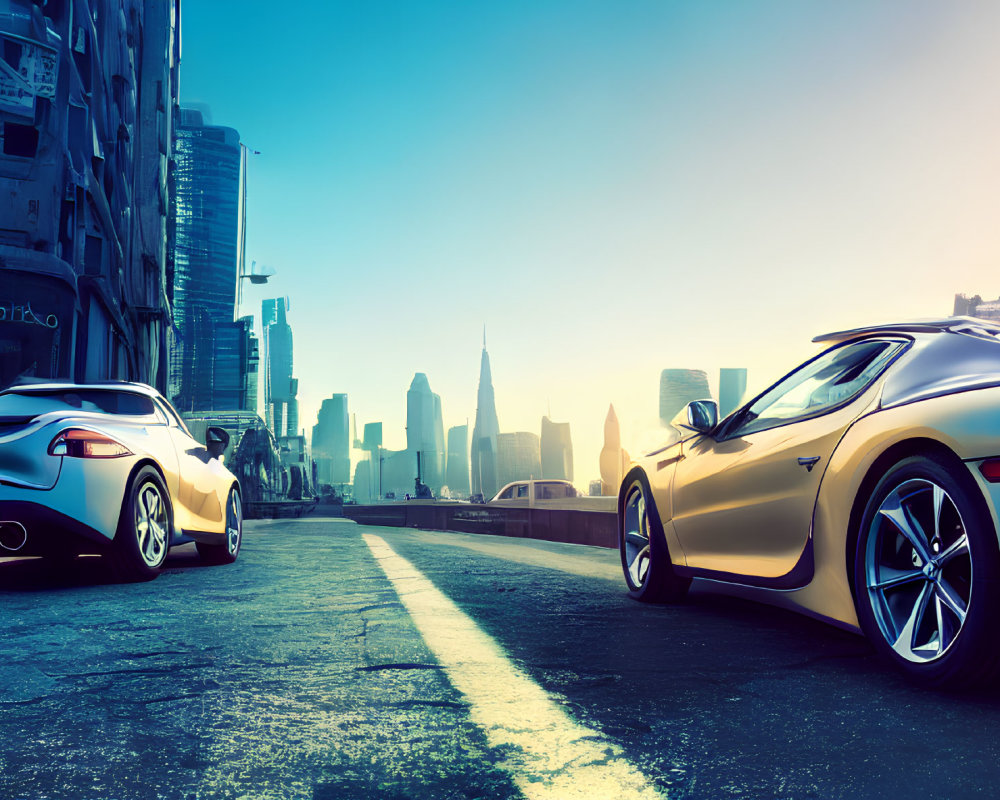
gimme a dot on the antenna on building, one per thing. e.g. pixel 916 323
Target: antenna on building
pixel 484 336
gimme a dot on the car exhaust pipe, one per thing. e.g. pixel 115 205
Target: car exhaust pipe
pixel 13 535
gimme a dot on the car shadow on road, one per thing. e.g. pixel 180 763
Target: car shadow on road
pixel 753 643
pixel 53 574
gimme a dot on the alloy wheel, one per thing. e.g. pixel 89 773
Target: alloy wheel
pixel 234 523
pixel 918 570
pixel 636 535
pixel 151 524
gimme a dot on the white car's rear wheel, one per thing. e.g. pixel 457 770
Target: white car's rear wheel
pixel 142 540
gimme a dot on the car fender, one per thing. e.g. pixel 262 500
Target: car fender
pixel 658 471
pixel 965 424
pixel 208 514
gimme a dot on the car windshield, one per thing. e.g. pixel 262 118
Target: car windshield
pixel 34 403
pixel 818 386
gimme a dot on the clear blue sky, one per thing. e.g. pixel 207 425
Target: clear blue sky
pixel 612 188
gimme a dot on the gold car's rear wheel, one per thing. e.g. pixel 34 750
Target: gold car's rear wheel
pixel 649 573
pixel 926 572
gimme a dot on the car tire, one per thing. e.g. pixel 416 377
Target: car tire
pixel 927 573
pixel 649 572
pixel 142 540
pixel 226 553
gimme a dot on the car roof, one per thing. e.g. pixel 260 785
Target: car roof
pixel 44 388
pixel 948 324
pixel 524 481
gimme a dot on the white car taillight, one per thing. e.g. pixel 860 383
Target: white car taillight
pixel 79 443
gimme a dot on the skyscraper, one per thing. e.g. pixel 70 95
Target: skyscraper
pixel 372 441
pixel 458 461
pixel 280 388
pixel 484 433
pixel 556 450
pixel 518 457
pixel 425 430
pixel 365 485
pixel 678 387
pixel 331 443
pixel 396 470
pixel 368 471
pixel 613 459
pixel 233 383
pixel 732 387
pixel 204 255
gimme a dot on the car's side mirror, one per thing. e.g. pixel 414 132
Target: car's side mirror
pixel 702 415
pixel 216 440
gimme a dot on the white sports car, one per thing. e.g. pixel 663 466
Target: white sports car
pixel 110 468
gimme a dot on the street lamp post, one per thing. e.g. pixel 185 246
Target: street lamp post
pixel 241 274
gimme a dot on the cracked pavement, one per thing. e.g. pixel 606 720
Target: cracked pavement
pixel 297 673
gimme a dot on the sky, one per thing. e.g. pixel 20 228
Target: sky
pixel 610 188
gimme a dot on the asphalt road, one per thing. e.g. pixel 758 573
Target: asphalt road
pixel 337 661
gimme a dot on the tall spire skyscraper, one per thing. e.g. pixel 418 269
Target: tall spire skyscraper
pixel 484 433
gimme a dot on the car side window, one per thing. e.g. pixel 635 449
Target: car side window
pixel 522 490
pixel 173 420
pixel 818 386
pixel 507 493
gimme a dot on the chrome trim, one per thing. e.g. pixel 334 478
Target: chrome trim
pixel 5 525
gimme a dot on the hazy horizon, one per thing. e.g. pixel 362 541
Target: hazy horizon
pixel 612 189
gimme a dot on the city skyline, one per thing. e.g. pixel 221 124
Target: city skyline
pixel 639 188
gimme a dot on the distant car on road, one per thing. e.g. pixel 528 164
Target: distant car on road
pixel 110 468
pixel 862 488
pixel 528 492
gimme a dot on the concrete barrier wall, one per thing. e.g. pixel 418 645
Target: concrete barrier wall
pixel 595 528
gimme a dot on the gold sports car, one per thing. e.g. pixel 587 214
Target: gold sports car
pixel 862 488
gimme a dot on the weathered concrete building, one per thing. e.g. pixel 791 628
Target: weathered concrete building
pixel 88 95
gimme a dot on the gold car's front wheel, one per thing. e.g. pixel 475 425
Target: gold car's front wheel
pixel 926 573
pixel 649 573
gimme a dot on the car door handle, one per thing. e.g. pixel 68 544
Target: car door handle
pixel 809 462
